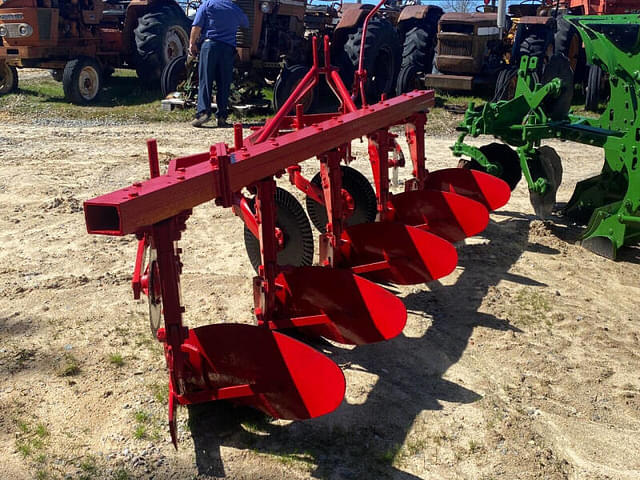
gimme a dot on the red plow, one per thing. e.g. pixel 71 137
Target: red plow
pixel 367 236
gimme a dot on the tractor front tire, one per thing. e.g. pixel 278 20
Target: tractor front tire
pixel 8 79
pixel 382 53
pixel 82 80
pixel 160 36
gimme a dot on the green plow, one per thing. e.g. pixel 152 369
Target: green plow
pixel 608 203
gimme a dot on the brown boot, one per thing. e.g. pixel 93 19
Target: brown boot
pixel 201 119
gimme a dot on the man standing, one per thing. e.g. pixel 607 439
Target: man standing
pixel 217 22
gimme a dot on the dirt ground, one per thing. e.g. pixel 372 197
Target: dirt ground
pixel 524 363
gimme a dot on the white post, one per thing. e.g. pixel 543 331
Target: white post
pixel 502 16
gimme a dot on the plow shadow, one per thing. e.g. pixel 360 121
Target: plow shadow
pixel 362 440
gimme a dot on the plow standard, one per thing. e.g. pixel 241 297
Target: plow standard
pixel 608 203
pixel 367 235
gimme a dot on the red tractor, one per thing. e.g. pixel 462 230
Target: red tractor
pixel 83 41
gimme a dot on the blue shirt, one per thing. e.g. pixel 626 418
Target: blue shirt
pixel 219 20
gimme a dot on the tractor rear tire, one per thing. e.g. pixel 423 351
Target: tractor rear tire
pixel 8 79
pixel 593 88
pixel 364 199
pixel 568 42
pixel 417 57
pixel 82 80
pixel 382 53
pixel 298 239
pixel 160 36
pixel 285 84
pixel 173 74
pixel 506 84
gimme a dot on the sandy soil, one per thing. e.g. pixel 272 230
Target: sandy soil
pixel 522 364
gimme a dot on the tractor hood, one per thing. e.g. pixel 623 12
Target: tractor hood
pixel 478 19
pixel 17 4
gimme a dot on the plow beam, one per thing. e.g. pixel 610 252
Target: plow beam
pixel 197 179
pixel 338 305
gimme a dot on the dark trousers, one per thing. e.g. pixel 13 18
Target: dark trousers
pixel 216 63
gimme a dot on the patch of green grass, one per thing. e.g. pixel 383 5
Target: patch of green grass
pixel 160 392
pixel 124 98
pixel 390 455
pixel 89 467
pixel 295 458
pixel 69 366
pixel 121 474
pixel 42 475
pixel 24 448
pixel 142 416
pixel 140 432
pixel 116 359
pixel 41 431
pixel 474 446
pixel 530 307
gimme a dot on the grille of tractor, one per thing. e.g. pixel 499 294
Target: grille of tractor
pixel 243 37
pixel 458 48
pixel 44 23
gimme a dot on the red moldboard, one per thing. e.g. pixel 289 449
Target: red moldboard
pixel 291 380
pixel 414 256
pixel 360 311
pixel 448 215
pixel 491 191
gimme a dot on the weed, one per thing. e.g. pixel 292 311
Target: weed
pixel 69 366
pixel 160 392
pixel 531 307
pixel 142 416
pixel 42 458
pixel 121 474
pixel 42 475
pixel 474 446
pixel 415 446
pixel 23 426
pixel 89 467
pixel 41 431
pixel 140 432
pixel 116 359
pixel 24 448
pixel 389 455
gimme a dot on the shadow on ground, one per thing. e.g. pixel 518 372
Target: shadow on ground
pixel 359 441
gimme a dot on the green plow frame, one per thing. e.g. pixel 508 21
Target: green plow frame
pixel 609 203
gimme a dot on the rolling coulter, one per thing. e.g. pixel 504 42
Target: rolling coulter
pixel 608 203
pixel 408 243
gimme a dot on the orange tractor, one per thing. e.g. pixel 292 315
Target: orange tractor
pixel 83 41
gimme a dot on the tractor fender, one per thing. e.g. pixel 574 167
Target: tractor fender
pixel 353 15
pixel 419 12
pixel 543 21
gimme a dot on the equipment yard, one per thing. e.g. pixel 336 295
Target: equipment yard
pixel 523 363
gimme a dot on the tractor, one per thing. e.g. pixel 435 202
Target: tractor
pixel 276 49
pixel 83 41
